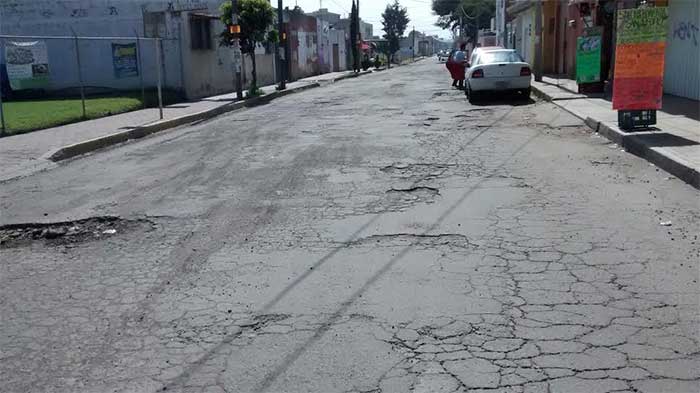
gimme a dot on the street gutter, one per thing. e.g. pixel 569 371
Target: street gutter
pixel 632 142
pixel 84 147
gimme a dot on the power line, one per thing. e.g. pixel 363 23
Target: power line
pixel 343 8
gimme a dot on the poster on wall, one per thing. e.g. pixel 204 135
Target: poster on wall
pixel 27 65
pixel 588 54
pixel 639 58
pixel 124 60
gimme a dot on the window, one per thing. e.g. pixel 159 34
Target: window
pixel 154 24
pixel 499 57
pixel 200 32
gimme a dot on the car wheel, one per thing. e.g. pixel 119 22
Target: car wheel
pixel 472 96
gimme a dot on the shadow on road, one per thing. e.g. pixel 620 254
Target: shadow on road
pixel 502 98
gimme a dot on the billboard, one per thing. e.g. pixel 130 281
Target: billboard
pixel 27 65
pixel 124 60
pixel 588 54
pixel 639 58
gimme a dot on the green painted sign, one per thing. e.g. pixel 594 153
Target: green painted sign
pixel 588 50
pixel 641 25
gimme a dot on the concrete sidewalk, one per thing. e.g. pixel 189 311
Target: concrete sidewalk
pixel 21 155
pixel 673 144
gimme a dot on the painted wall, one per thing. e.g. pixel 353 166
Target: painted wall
pixel 324 47
pixel 206 72
pixel 182 67
pixel 525 34
pixel 265 66
pixel 682 62
pixel 303 41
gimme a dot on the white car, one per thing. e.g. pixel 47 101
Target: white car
pixel 443 55
pixel 498 70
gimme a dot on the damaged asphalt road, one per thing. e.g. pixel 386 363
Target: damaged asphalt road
pixel 376 235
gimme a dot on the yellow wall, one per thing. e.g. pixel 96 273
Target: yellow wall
pixel 549 13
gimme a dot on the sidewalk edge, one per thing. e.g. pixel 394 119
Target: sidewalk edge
pixel 632 144
pixel 102 142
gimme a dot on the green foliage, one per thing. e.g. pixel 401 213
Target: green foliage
pixel 394 19
pixel 272 36
pixel 254 91
pixel 255 18
pixel 475 15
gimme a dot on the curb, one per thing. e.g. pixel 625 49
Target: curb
pixel 102 142
pixel 540 94
pixel 632 144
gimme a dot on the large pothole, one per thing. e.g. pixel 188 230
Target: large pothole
pixel 93 228
pixel 414 194
pixel 413 239
pixel 422 170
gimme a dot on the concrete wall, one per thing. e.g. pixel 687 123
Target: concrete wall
pixel 265 66
pixel 303 41
pixel 682 62
pixel 97 18
pixel 118 18
pixel 206 72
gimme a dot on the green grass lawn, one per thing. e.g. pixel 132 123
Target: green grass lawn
pixel 29 115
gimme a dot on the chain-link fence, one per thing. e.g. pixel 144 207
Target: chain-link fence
pixel 52 80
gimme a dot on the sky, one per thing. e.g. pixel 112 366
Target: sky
pixel 419 12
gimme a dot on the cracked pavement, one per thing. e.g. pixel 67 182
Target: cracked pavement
pixel 376 235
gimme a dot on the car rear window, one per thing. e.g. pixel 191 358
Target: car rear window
pixel 499 57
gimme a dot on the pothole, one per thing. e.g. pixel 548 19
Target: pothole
pixel 412 239
pixel 65 232
pixel 424 170
pixel 416 190
pixel 413 194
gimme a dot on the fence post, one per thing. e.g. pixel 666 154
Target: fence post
pixel 158 65
pixel 138 55
pixel 80 73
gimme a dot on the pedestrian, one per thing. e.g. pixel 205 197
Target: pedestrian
pixel 459 59
pixel 450 65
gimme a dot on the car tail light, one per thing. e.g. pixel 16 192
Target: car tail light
pixel 478 74
pixel 525 71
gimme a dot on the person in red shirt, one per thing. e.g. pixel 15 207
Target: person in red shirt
pixel 456 64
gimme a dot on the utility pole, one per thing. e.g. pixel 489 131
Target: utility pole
pixel 236 49
pixel 281 47
pixel 537 61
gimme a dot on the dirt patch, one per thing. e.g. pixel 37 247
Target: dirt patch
pixel 66 232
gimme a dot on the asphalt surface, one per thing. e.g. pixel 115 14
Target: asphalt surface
pixel 376 235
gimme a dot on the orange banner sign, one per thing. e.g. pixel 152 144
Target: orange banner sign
pixel 644 60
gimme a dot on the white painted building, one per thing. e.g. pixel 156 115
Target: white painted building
pixel 682 62
pixel 192 61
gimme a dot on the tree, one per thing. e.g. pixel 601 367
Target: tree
pixel 395 19
pixel 255 18
pixel 474 14
pixel 354 24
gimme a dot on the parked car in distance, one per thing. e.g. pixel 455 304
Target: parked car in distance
pixel 498 70
pixel 443 55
